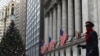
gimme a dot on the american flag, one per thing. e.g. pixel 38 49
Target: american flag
pixel 50 44
pixel 43 47
pixel 63 38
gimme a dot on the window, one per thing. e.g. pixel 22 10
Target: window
pixel 12 4
pixel 0 33
pixel 8 11
pixel 12 11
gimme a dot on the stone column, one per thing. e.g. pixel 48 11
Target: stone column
pixel 70 19
pixel 98 2
pixel 48 54
pixel 45 55
pixel 92 12
pixel 46 29
pixel 58 20
pixel 54 24
pixel 83 52
pixel 56 53
pixel 52 53
pixel 62 52
pixel 78 16
pixel 75 50
pixel 68 52
pixel 50 25
pixel 84 14
pixel 64 16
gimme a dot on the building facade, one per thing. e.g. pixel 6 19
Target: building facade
pixel 6 18
pixel 70 15
pixel 2 27
pixel 20 18
pixel 33 27
pixel 17 14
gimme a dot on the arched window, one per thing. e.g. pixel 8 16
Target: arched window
pixel 12 11
pixel 6 12
pixel 12 4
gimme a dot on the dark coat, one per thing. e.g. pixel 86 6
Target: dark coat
pixel 92 45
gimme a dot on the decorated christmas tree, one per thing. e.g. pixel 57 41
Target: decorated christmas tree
pixel 11 44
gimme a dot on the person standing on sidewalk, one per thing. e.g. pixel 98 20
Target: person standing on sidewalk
pixel 91 39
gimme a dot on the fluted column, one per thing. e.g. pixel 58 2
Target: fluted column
pixel 48 54
pixel 54 24
pixel 46 30
pixel 68 51
pixel 58 20
pixel 83 52
pixel 62 52
pixel 98 2
pixel 84 14
pixel 56 53
pixel 78 16
pixel 48 25
pixel 92 12
pixel 99 22
pixel 70 18
pixel 52 53
pixel 50 28
pixel 45 55
pixel 64 16
pixel 75 51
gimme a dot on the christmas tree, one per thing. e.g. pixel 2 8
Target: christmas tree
pixel 12 44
